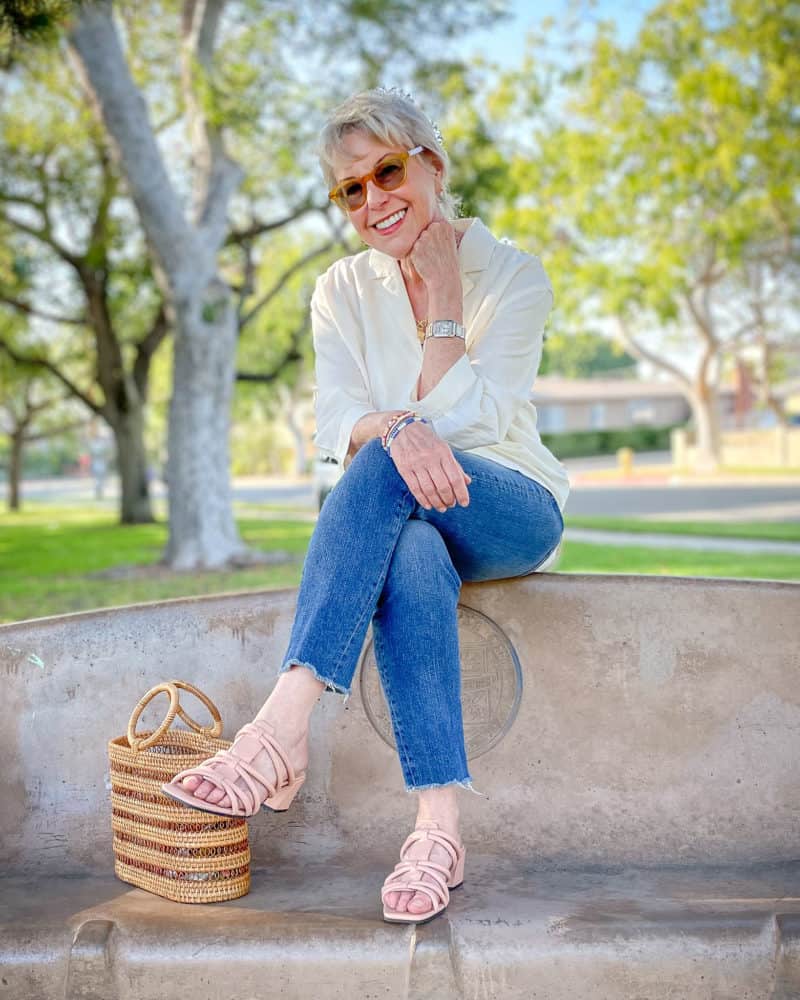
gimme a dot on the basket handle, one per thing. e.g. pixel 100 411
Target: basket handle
pixel 171 688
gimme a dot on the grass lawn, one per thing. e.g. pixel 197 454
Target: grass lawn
pixel 783 531
pixel 60 559
pixel 581 557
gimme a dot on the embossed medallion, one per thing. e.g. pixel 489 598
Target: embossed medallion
pixel 491 683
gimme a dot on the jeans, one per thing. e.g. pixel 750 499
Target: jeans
pixel 378 556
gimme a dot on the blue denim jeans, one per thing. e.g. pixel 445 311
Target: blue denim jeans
pixel 377 556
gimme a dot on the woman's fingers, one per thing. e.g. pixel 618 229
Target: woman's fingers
pixel 429 468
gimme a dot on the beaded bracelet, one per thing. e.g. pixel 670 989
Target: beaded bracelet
pixel 391 422
pixel 399 425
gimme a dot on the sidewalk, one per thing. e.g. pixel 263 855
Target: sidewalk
pixel 744 546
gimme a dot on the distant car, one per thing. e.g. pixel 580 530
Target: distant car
pixel 327 474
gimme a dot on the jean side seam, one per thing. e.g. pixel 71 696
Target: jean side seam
pixel 402 748
pixel 370 605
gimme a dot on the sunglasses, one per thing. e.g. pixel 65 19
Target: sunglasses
pixel 388 174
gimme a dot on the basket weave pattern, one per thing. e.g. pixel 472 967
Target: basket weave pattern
pixel 160 845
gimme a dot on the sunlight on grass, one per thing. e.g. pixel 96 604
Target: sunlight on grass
pixel 74 558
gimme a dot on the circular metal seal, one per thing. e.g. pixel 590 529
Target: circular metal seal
pixel 491 684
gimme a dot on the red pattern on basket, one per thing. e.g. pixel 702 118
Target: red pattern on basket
pixel 222 873
pixel 187 827
pixel 219 850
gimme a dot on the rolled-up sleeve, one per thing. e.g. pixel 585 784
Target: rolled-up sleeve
pixel 341 393
pixel 476 399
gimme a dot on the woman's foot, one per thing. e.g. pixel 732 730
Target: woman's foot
pixel 439 804
pixel 288 710
pixel 296 747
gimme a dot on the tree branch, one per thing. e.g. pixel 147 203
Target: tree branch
pixel 281 282
pixel 644 354
pixel 240 236
pixel 44 235
pixel 217 175
pixel 293 353
pixel 99 60
pixel 48 365
pixel 147 347
pixel 29 310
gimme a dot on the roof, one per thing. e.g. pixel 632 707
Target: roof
pixel 552 389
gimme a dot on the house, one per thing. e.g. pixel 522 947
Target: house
pixel 593 404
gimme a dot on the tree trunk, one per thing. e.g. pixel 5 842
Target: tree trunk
pixel 708 441
pixel 15 468
pixel 135 506
pixel 203 532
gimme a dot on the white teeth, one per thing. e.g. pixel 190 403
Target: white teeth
pixel 391 220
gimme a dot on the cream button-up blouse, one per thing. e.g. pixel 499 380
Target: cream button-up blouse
pixel 368 356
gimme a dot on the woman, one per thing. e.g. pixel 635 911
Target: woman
pixel 427 345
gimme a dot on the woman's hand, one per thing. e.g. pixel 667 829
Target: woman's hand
pixel 434 256
pixel 429 468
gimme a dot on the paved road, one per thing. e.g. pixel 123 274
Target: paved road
pixel 738 501
pixel 745 502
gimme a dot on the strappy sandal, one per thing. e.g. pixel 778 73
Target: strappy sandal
pixel 408 872
pixel 236 762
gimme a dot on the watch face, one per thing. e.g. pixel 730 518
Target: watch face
pixel 445 328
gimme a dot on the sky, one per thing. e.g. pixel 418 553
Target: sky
pixel 506 41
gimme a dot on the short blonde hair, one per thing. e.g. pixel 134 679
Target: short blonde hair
pixel 392 118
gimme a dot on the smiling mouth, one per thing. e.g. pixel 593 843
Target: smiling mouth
pixel 391 220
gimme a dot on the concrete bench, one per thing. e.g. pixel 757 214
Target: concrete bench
pixel 637 739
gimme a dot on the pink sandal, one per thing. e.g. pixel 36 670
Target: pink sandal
pixel 236 762
pixel 408 872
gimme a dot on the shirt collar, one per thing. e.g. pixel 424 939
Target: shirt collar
pixel 474 251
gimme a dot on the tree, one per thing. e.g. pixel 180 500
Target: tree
pixel 584 354
pixel 32 408
pixel 73 262
pixel 657 171
pixel 226 86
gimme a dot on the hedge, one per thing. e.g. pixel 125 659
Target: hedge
pixel 583 444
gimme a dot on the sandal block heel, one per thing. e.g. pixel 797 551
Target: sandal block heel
pixel 457 877
pixel 282 799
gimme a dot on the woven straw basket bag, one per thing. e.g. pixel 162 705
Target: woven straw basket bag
pixel 160 845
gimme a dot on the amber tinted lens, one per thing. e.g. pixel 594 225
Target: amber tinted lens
pixel 390 173
pixel 354 194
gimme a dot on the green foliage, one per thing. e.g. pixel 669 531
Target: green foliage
pixel 30 21
pixel 660 167
pixel 583 354
pixel 581 444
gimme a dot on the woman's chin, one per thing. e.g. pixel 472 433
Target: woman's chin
pixel 397 245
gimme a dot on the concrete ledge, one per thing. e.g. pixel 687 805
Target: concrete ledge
pixel 511 931
pixel 658 723
pixel 638 842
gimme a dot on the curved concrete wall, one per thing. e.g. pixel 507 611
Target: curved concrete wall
pixel 659 723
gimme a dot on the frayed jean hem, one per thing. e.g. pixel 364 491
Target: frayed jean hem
pixel 330 685
pixel 467 784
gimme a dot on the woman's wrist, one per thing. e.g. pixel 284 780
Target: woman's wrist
pixel 446 307
pixel 369 426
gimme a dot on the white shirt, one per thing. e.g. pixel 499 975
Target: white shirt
pixel 368 356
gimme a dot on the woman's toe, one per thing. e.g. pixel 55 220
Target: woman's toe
pixel 419 903
pixel 191 781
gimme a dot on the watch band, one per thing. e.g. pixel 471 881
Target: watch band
pixel 445 328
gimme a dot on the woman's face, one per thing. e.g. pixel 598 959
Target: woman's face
pixel 414 201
